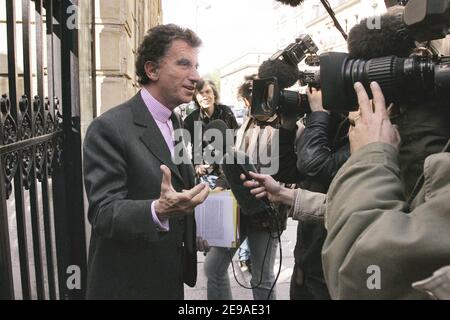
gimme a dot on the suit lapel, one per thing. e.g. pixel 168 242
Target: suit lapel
pixel 186 169
pixel 152 136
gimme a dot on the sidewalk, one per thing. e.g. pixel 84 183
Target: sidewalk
pixel 288 240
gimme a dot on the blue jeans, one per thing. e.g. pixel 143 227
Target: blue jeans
pixel 244 251
pixel 218 260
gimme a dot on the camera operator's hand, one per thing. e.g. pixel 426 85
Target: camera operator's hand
pixel 373 124
pixel 315 100
pixel 202 245
pixel 265 186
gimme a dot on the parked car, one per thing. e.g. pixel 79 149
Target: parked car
pixel 239 113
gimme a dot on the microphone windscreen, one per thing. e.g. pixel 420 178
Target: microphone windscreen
pixel 217 124
pixel 235 163
pixel 286 74
pixel 292 3
pixel 376 37
pixel 247 202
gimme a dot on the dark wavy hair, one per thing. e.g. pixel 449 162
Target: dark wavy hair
pixel 245 89
pixel 157 42
pixel 200 84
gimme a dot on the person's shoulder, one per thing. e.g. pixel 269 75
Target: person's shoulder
pixel 117 116
pixel 225 108
pixel 437 170
pixel 193 115
pixel 227 111
pixel 122 110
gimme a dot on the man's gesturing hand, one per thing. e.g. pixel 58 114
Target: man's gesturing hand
pixel 172 203
pixel 374 124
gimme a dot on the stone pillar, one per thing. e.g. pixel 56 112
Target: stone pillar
pixel 120 27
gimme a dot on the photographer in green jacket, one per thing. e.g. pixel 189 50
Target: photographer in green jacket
pixel 378 243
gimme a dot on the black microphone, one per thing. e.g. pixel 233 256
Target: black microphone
pixel 241 164
pixel 286 74
pixel 218 137
pixel 234 163
pixel 377 37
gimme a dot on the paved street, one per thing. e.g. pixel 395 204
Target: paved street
pixel 288 243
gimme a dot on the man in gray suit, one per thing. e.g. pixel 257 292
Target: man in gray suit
pixel 141 203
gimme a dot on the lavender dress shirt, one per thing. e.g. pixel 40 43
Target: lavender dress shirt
pixel 161 114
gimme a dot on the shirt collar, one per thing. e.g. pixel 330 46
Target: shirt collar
pixel 214 116
pixel 157 109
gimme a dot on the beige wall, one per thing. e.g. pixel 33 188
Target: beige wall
pixel 120 27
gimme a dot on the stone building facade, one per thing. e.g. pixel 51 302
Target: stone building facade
pixel 120 26
pixel 109 34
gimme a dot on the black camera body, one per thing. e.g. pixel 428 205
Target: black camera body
pixel 269 98
pixel 417 78
pixel 427 19
pixel 296 52
pixel 402 79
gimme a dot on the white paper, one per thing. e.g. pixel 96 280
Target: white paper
pixel 216 220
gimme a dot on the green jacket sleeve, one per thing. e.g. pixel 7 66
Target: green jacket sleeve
pixel 377 246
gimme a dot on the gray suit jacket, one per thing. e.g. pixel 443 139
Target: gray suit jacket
pixel 128 257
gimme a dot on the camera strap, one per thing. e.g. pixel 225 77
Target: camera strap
pixel 421 180
pixel 447 147
pixel 330 11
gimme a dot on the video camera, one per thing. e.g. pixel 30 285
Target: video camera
pixel 401 79
pixel 269 97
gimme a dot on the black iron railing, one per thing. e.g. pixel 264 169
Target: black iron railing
pixel 40 159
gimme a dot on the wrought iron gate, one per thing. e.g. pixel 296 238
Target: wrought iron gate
pixel 40 158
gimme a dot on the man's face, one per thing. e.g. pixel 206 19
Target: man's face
pixel 177 75
pixel 206 97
